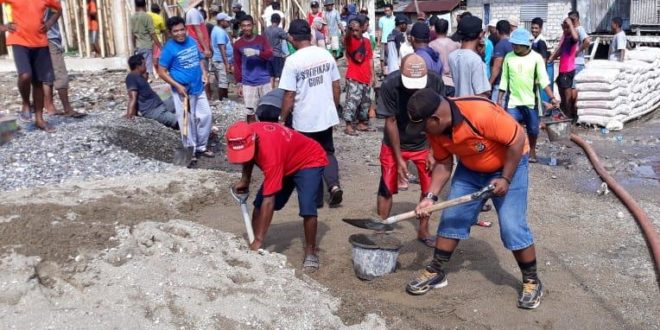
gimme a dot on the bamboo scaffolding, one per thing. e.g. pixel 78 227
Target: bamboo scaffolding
pixel 101 21
pixel 76 14
pixel 88 50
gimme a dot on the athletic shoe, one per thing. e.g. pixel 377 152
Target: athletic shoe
pixel 530 296
pixel 336 196
pixel 425 281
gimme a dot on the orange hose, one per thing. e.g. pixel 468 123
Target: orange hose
pixel 640 216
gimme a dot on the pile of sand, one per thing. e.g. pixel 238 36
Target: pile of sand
pixel 166 275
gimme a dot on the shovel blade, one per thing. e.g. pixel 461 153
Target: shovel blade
pixel 371 224
pixel 183 156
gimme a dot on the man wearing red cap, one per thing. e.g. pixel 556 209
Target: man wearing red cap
pixel 288 160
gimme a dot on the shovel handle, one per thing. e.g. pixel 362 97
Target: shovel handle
pixel 483 193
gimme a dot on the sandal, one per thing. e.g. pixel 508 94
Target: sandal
pixel 25 117
pixel 336 196
pixel 311 263
pixel 366 129
pixel 206 153
pixel 74 114
pixel 46 128
pixel 351 132
pixel 485 224
pixel 428 241
pixel 486 208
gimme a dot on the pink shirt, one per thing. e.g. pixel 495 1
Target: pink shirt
pixel 567 54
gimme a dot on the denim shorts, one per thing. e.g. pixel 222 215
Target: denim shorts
pixel 527 116
pixel 306 182
pixel 456 221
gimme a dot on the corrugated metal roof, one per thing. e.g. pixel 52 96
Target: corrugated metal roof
pixel 432 6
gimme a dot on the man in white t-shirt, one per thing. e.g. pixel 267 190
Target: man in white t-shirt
pixel 274 8
pixel 310 79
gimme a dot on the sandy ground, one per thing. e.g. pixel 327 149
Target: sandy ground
pixel 84 252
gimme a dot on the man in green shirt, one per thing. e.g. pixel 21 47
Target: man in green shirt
pixel 144 34
pixel 522 71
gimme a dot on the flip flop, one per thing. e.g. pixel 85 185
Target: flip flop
pixel 486 208
pixel 351 133
pixel 368 129
pixel 485 224
pixel 428 241
pixel 311 263
pixel 47 128
pixel 25 117
pixel 207 154
pixel 533 160
pixel 75 114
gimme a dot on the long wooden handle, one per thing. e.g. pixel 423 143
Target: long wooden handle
pixel 432 208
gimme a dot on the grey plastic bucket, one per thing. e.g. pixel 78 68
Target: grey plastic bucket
pixel 559 130
pixel 374 255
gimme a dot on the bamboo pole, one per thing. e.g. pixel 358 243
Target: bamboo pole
pixel 129 33
pixel 88 50
pixel 76 16
pixel 109 31
pixel 101 21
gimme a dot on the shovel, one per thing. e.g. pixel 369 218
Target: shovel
pixel 183 156
pixel 242 201
pixel 386 225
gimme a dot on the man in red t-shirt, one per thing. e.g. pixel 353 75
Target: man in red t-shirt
pixel 27 37
pixel 359 56
pixel 288 160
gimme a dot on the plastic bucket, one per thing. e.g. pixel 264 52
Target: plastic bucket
pixel 374 255
pixel 559 129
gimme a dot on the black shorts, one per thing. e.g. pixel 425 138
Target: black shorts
pixel 35 62
pixel 275 66
pixel 565 80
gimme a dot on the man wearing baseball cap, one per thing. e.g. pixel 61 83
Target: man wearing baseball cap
pixel 399 145
pixel 223 54
pixel 288 160
pixel 522 71
pixel 395 41
pixel 420 35
pixel 492 150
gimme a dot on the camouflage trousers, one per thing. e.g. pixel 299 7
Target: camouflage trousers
pixel 356 107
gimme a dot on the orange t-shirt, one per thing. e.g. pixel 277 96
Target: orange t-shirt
pixel 480 135
pixel 93 23
pixel 27 15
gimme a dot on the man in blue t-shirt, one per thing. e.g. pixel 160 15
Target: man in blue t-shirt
pixel 181 66
pixel 223 54
pixel 502 48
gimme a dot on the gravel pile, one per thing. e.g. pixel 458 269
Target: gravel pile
pixel 103 144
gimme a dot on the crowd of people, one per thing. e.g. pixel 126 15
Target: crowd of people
pixel 451 103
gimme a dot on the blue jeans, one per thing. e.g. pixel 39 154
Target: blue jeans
pixel 306 182
pixel 527 116
pixel 455 222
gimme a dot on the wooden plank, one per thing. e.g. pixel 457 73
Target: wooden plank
pixel 88 44
pixel 101 20
pixel 109 31
pixel 76 15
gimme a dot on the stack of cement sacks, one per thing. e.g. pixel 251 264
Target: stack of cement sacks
pixel 611 93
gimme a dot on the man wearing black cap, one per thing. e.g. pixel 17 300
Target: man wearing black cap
pixel 419 38
pixel 400 145
pixel 310 79
pixel 394 42
pixel 468 71
pixel 492 150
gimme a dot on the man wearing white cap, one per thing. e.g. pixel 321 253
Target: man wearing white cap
pixel 492 31
pixel 223 54
pixel 514 21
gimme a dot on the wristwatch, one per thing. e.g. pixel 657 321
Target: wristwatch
pixel 431 196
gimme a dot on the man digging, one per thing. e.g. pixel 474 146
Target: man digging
pixel 492 150
pixel 288 160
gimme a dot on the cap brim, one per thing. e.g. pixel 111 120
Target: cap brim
pixel 241 156
pixel 412 129
pixel 414 83
pixel 458 37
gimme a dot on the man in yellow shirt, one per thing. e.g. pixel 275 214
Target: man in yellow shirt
pixel 159 28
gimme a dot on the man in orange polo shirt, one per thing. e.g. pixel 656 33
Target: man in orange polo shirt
pixel 27 36
pixel 492 149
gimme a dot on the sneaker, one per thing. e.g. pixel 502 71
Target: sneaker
pixel 530 296
pixel 336 196
pixel 425 281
